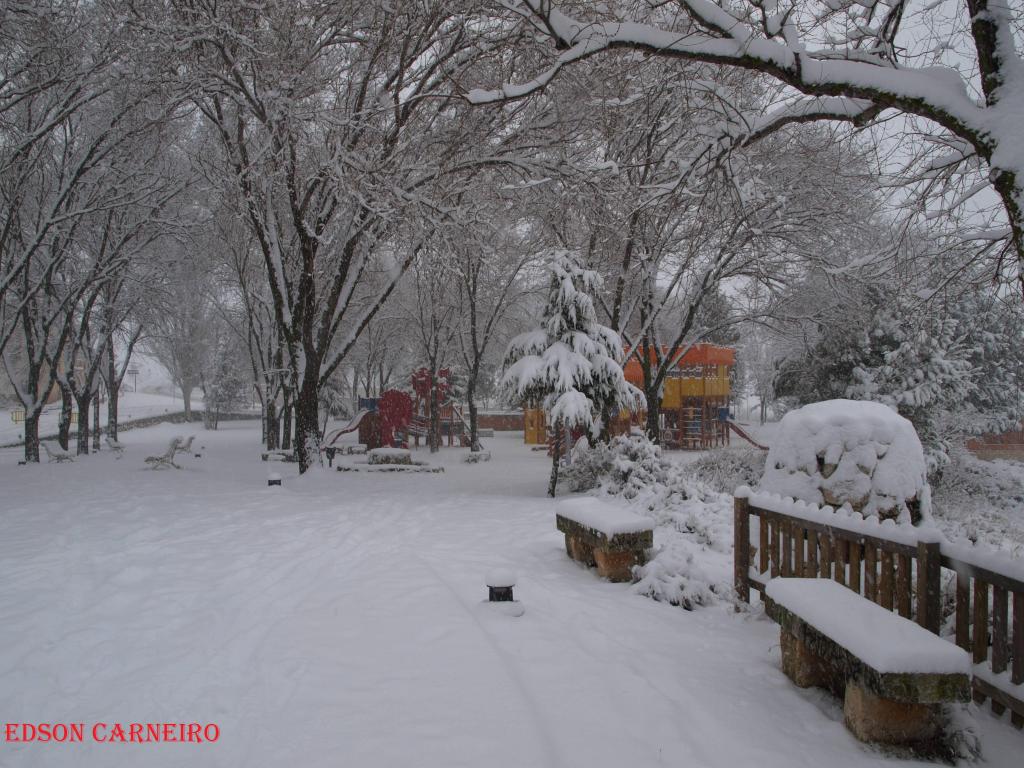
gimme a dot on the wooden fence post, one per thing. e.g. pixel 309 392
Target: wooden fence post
pixel 741 547
pixel 929 585
pixel 1017 665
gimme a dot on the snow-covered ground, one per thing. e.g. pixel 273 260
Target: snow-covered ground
pixel 338 620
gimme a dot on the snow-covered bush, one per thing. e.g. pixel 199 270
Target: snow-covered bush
pixel 947 363
pixel 676 575
pixel 981 501
pixel 727 469
pixel 625 466
pixel 848 452
pixel 692 559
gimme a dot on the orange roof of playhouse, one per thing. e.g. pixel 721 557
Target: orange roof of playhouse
pixel 698 354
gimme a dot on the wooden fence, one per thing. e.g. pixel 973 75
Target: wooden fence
pixel 902 569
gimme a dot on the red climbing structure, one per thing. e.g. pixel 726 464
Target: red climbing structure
pixel 451 422
pixel 394 413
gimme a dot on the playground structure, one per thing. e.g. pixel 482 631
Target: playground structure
pixel 356 421
pixel 395 418
pixel 694 409
pixel 452 423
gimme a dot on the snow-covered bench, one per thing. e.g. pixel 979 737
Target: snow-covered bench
pixel 390 456
pixel 185 446
pixel 893 674
pixel 167 459
pixel 115 446
pixel 278 455
pixel 598 533
pixel 56 454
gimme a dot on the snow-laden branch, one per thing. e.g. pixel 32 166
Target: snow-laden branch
pixel 852 76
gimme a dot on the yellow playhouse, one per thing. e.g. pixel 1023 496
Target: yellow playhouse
pixel 694 412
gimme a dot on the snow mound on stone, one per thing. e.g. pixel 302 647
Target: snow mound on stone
pixel 850 452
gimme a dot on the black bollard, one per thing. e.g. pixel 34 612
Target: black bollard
pixel 499 586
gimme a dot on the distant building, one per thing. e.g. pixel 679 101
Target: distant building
pixel 1006 445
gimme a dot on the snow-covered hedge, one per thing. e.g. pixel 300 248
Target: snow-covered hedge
pixel 981 501
pixel 626 466
pixel 848 452
pixel 390 456
pixel 692 558
pixel 727 469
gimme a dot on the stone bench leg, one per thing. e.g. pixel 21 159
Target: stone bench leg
pixel 616 566
pixel 801 665
pixel 579 551
pixel 883 721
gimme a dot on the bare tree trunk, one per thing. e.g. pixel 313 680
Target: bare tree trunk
pixel 272 426
pixel 186 396
pixel 96 419
pixel 556 457
pixel 650 387
pixel 31 437
pixel 286 422
pixel 64 425
pixel 113 390
pixel 474 438
pixel 39 386
pixel 608 414
pixel 115 377
pixel 653 418
pixel 83 401
pixel 307 427
pixel 207 407
pixel 435 415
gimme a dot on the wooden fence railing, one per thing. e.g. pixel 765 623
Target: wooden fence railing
pixel 902 569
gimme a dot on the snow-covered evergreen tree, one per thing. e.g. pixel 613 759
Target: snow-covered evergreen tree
pixel 947 363
pixel 570 364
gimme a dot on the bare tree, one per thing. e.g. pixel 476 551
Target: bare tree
pixel 434 314
pixel 326 142
pixel 182 321
pixel 489 262
pixel 381 358
pixel 668 249
pixel 247 309
pixel 848 61
pixel 73 126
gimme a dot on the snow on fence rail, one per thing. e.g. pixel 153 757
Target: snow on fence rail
pixel 900 568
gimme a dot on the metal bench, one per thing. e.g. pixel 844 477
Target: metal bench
pixel 115 446
pixel 167 459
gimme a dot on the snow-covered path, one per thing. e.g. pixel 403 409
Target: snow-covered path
pixel 338 621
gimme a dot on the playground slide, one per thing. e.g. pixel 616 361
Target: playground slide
pixel 352 426
pixel 418 427
pixel 742 433
pixel 462 417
